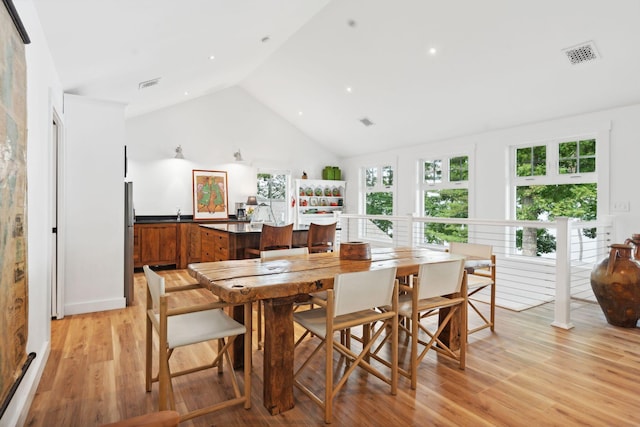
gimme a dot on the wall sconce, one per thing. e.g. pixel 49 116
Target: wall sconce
pixel 179 154
pixel 238 156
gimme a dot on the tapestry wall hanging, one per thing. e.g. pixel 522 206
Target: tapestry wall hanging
pixel 13 199
pixel 209 194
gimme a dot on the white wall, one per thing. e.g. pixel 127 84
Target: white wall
pixel 44 93
pixel 489 186
pixel 210 129
pixel 94 210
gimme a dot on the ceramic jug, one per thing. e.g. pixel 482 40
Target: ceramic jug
pixel 635 241
pixel 616 285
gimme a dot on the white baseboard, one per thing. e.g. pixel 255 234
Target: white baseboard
pixel 18 410
pixel 94 306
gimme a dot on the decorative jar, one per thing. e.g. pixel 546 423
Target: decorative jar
pixel 616 284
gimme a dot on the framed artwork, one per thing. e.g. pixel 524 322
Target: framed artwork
pixel 209 195
pixel 14 280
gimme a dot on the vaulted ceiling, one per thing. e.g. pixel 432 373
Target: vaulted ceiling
pixel 418 70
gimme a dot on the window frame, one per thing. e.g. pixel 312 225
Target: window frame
pixel 379 187
pixel 600 176
pixel 287 196
pixel 552 175
pixel 446 183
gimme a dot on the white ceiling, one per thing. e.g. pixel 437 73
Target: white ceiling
pixel 498 63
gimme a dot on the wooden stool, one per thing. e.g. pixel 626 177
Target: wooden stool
pixel 321 238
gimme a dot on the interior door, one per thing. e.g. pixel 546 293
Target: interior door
pixel 56 289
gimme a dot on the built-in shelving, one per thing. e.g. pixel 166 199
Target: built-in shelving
pixel 317 200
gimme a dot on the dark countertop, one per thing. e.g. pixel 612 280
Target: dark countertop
pixel 155 219
pixel 244 227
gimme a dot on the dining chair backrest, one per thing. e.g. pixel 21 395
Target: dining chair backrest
pixel 321 237
pixel 475 250
pixel 281 253
pixel 276 237
pixel 440 278
pixel 363 290
pixel 155 283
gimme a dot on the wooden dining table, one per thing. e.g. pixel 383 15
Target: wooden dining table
pixel 279 283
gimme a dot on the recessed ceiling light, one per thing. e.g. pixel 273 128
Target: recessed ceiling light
pixel 299 113
pixel 212 57
pixel 433 51
pixel 186 93
pixel 265 39
pixel 349 89
pixel 352 23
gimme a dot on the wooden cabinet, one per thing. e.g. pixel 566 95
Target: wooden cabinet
pixel 183 243
pixel 195 245
pixel 215 245
pixel 156 244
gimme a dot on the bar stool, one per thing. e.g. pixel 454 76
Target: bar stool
pixel 321 238
pixel 271 238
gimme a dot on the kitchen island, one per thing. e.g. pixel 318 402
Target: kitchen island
pixel 222 242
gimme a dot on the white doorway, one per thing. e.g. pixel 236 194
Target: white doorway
pixel 57 294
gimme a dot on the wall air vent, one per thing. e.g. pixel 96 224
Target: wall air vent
pixel 365 121
pixel 148 83
pixel 584 52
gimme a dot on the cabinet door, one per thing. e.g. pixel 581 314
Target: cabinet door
pixel 221 246
pixel 207 245
pixel 158 244
pixel 214 244
pixel 195 245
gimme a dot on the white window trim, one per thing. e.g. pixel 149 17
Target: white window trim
pixel 288 189
pixel 553 176
pixel 600 177
pixel 446 183
pixel 377 188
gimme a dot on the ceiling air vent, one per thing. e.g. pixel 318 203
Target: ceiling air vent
pixel 148 83
pixel 583 52
pixel 365 121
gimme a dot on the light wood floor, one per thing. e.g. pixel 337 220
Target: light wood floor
pixel 527 373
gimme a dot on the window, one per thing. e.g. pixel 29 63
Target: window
pixel 378 199
pixel 445 194
pixel 555 179
pixel 531 161
pixel 577 156
pixel 272 189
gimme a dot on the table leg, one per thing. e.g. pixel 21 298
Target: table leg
pixel 237 348
pixel 278 355
pixel 450 335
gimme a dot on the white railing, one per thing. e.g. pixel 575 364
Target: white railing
pixel 523 280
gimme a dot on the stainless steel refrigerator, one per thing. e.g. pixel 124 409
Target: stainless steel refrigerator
pixel 129 219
